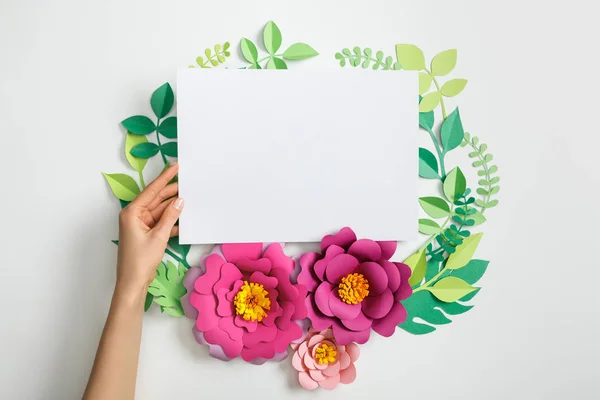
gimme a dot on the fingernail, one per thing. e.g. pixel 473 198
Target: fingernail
pixel 178 204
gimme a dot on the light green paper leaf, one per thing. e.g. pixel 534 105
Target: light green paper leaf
pixel 424 82
pixel 139 125
pixel 418 265
pixel 168 128
pixel 299 51
pixel 131 141
pixel 169 149
pixel 123 186
pixel 276 63
pixel 272 37
pixel 145 150
pixel 443 63
pixel 450 289
pixel 452 132
pixel 249 50
pixel 455 184
pixel 429 227
pixel 428 165
pixel 430 101
pixel 472 272
pixel 453 87
pixel 410 57
pixel 162 100
pixel 167 287
pixel 478 217
pixel 435 207
pixel 464 252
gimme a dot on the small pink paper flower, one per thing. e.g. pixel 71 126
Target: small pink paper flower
pixel 320 361
pixel 243 302
pixel 353 287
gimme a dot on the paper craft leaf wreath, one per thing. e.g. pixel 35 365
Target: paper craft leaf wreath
pixel 245 299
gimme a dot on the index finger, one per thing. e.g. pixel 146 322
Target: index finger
pixel 145 198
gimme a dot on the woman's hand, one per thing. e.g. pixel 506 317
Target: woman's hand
pixel 145 226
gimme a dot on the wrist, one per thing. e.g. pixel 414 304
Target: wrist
pixel 127 295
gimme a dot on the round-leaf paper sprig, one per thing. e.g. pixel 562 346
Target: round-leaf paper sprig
pixel 244 299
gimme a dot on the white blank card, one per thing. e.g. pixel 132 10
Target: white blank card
pixel 289 156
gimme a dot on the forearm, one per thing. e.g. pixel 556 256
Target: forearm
pixel 115 367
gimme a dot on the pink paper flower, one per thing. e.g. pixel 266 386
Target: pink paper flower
pixel 353 287
pixel 244 303
pixel 320 361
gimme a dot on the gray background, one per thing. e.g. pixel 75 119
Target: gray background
pixel 71 70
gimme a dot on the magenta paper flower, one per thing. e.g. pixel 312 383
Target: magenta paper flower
pixel 244 303
pixel 320 361
pixel 353 287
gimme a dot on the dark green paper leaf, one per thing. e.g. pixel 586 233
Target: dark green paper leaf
pixel 168 128
pixel 139 125
pixel 472 272
pixel 148 301
pixel 181 249
pixel 428 166
pixel 162 100
pixel 452 132
pixel 169 149
pixel 145 150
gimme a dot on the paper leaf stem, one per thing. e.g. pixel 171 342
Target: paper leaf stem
pixel 168 128
pixel 131 141
pixel 139 125
pixel 123 186
pixel 452 132
pixel 455 184
pixel 299 51
pixel 443 63
pixel 464 252
pixel 249 50
pixel 410 57
pixel 435 207
pixel 272 37
pixel 428 165
pixel 167 287
pixel 145 150
pixel 450 289
pixel 162 100
pixel 418 264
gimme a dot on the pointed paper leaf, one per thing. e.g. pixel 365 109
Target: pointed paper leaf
pixel 162 100
pixel 167 287
pixel 435 207
pixel 430 101
pixel 418 264
pixel 455 184
pixel 249 51
pixel 123 186
pixel 472 272
pixel 139 125
pixel 464 252
pixel 181 249
pixel 452 132
pixel 148 301
pixel 424 82
pixel 443 63
pixel 272 37
pixel 478 217
pixel 428 166
pixel 429 227
pixel 168 128
pixel 453 87
pixel 276 63
pixel 410 57
pixel 450 289
pixel 299 51
pixel 144 150
pixel 130 142
pixel 169 149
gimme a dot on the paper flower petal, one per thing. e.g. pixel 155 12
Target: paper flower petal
pixel 231 348
pixel 278 258
pixel 405 289
pixel 307 276
pixel 378 306
pixel 249 326
pixel 262 334
pixel 224 307
pixel 330 383
pixel 306 381
pixel 236 251
pixel 317 375
pixel 365 250
pixel 205 283
pixel 319 320
pixel 207 309
pixel 387 325
pixel 268 282
pixel 332 369
pixel 339 267
pixel 320 266
pixel 348 375
pixel 345 359
pixel 227 326
pixel 387 249
pixel 229 274
pixel 375 274
pixel 353 351
pixel 360 323
pixel 322 298
pixel 343 336
pixel 344 238
pixel 297 362
pixel 248 266
pixel 393 275
pixel 342 310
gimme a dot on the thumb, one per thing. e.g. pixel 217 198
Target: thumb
pixel 169 217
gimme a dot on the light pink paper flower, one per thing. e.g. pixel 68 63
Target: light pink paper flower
pixel 244 303
pixel 320 361
pixel 353 287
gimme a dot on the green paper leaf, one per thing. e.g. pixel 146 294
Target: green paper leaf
pixel 181 249
pixel 429 227
pixel 162 100
pixel 472 272
pixel 443 63
pixel 452 132
pixel 410 57
pixel 470 295
pixel 249 50
pixel 123 186
pixel 299 51
pixel 276 63
pixel 272 37
pixel 144 150
pixel 169 149
pixel 418 265
pixel 433 267
pixel 455 184
pixel 168 128
pixel 424 82
pixel 453 87
pixel 478 217
pixel 139 125
pixel 167 287
pixel 130 142
pixel 148 301
pixel 464 252
pixel 435 207
pixel 430 101
pixel 428 165
pixel 426 120
pixel 450 289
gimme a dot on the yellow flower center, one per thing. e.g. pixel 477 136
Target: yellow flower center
pixel 251 302
pixel 325 354
pixel 353 288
